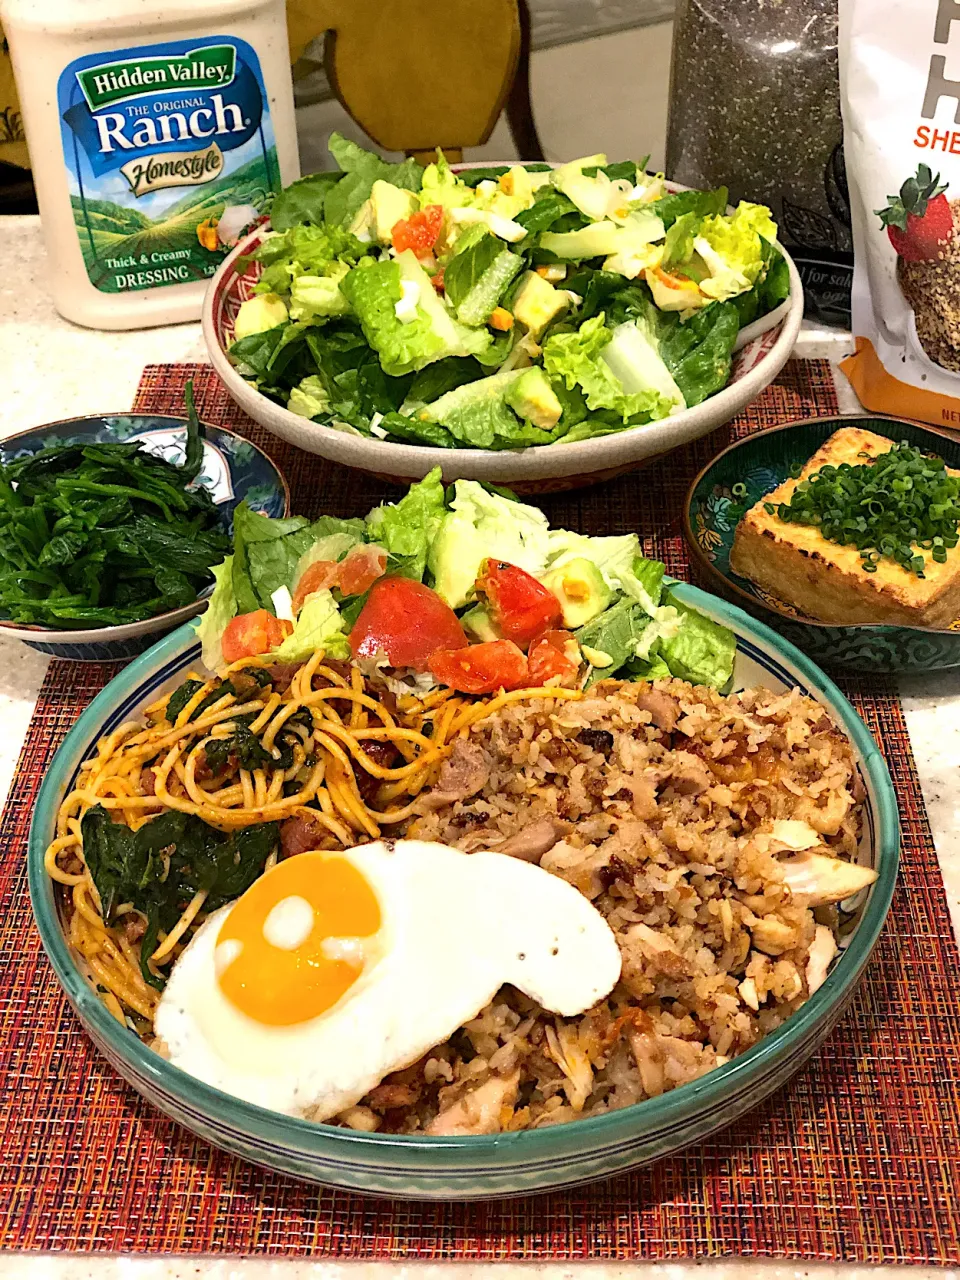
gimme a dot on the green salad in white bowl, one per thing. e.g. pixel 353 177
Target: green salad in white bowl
pixel 499 310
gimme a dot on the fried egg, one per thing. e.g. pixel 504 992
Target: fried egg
pixel 336 968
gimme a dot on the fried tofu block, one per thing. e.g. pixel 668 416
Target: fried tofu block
pixel 826 581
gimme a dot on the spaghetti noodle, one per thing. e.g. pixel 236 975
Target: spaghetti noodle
pixel 328 749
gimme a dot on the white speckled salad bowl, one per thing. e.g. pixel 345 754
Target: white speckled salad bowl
pixel 762 349
pixel 475 1168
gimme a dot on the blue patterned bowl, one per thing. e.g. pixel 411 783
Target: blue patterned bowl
pixel 233 469
pixel 475 1168
pixel 762 461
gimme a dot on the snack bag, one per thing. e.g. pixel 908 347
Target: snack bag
pixel 900 93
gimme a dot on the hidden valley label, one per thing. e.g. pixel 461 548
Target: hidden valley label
pixel 170 156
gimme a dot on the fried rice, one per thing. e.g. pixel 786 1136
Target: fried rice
pixel 670 807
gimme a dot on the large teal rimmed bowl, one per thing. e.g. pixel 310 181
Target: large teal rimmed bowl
pixel 505 1164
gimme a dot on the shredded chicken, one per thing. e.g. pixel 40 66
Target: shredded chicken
pixel 815 879
pixel 774 935
pixel 479 1111
pixel 563 1046
pixel 534 841
pixel 462 774
pixel 661 951
pixel 664 711
pixel 822 950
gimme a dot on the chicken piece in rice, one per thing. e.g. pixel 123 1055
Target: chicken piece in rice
pixel 685 816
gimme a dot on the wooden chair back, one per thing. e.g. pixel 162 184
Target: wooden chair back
pixel 415 74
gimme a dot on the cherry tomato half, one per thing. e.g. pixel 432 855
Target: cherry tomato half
pixel 252 633
pixel 418 232
pixel 407 622
pixel 481 668
pixel 555 656
pixel 522 606
pixel 362 567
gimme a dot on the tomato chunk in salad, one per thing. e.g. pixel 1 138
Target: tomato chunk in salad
pixel 418 232
pixel 250 634
pixel 354 575
pixel 522 607
pixel 555 656
pixel 481 668
pixel 407 623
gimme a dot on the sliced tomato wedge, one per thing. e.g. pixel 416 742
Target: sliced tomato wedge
pixel 481 668
pixel 555 656
pixel 360 570
pixel 418 232
pixel 522 607
pixel 407 622
pixel 317 576
pixel 251 633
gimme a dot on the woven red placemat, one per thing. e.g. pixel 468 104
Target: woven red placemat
pixel 857 1160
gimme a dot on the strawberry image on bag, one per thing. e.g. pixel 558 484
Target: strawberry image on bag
pixel 900 91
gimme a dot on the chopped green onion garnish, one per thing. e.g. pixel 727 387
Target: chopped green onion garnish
pixel 887 507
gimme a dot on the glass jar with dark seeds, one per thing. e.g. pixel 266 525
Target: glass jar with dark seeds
pixel 755 107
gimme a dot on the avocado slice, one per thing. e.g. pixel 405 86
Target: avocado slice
pixel 533 398
pixel 390 204
pixel 580 587
pixel 479 624
pixel 537 302
pixel 261 312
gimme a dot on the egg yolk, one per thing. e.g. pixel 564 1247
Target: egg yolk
pixel 289 949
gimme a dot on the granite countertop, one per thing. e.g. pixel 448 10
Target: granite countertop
pixel 51 369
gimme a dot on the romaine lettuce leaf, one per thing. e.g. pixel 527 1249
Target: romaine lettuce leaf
pixel 698 351
pixel 633 356
pixel 476 279
pixel 549 207
pixel 267 553
pixel 440 377
pixel 578 360
pixel 477 412
pixel 302 201
pixel 482 524
pixel 405 346
pixel 314 298
pixel 612 638
pixel 318 626
pixel 220 609
pixel 309 399
pixel 731 248
pixel 414 430
pixel 703 203
pixel 406 528
pixel 702 651
pixel 361 169
pixel 678 244
pixel 642 581
pixel 304 250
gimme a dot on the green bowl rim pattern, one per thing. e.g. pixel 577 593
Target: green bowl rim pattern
pixel 727 584
pixel 596 1133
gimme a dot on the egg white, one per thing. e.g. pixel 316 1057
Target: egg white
pixel 455 928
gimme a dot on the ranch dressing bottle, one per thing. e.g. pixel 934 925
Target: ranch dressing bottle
pixel 158 131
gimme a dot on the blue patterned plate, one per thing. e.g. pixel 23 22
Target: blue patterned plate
pixel 764 460
pixel 233 470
